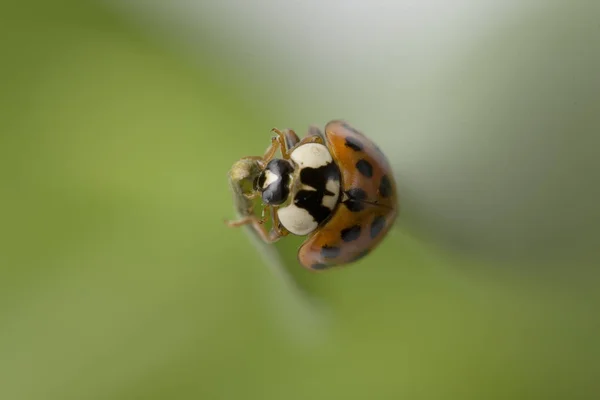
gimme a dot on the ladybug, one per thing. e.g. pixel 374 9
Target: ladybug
pixel 337 188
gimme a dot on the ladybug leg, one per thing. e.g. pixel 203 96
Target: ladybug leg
pixel 287 140
pixel 277 142
pixel 312 139
pixel 314 130
pixel 270 153
pixel 281 231
pixel 259 227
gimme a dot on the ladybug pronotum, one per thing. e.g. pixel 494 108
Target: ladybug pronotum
pixel 337 188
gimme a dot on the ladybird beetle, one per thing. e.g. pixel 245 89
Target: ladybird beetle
pixel 338 188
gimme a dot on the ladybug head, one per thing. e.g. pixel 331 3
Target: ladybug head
pixel 274 182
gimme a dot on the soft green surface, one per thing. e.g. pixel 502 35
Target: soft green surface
pixel 119 280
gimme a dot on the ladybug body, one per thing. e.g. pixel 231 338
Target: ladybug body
pixel 336 187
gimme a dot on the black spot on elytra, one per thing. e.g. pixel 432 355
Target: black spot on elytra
pixel 319 266
pixel 353 144
pixel 354 206
pixel 330 252
pixel 360 255
pixel 357 194
pixel 385 187
pixel 377 226
pixel 350 234
pixel 365 168
pixel 355 198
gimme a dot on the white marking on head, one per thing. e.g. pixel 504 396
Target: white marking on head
pixel 334 187
pixel 270 177
pixel 296 220
pixel 312 155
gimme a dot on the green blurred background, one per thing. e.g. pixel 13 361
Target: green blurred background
pixel 119 280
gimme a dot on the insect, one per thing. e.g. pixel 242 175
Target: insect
pixel 337 188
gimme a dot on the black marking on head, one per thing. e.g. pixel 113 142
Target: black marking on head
pixel 350 234
pixel 277 192
pixel 312 200
pixel 356 196
pixel 360 255
pixel 385 186
pixel 353 144
pixel 377 226
pixel 330 252
pixel 319 266
pixel 365 168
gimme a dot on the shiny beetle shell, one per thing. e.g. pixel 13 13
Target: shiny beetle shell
pixel 367 207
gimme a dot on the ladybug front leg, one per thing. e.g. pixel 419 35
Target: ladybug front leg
pixel 259 227
pixel 287 140
pixel 314 130
pixel 284 141
pixel 311 139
